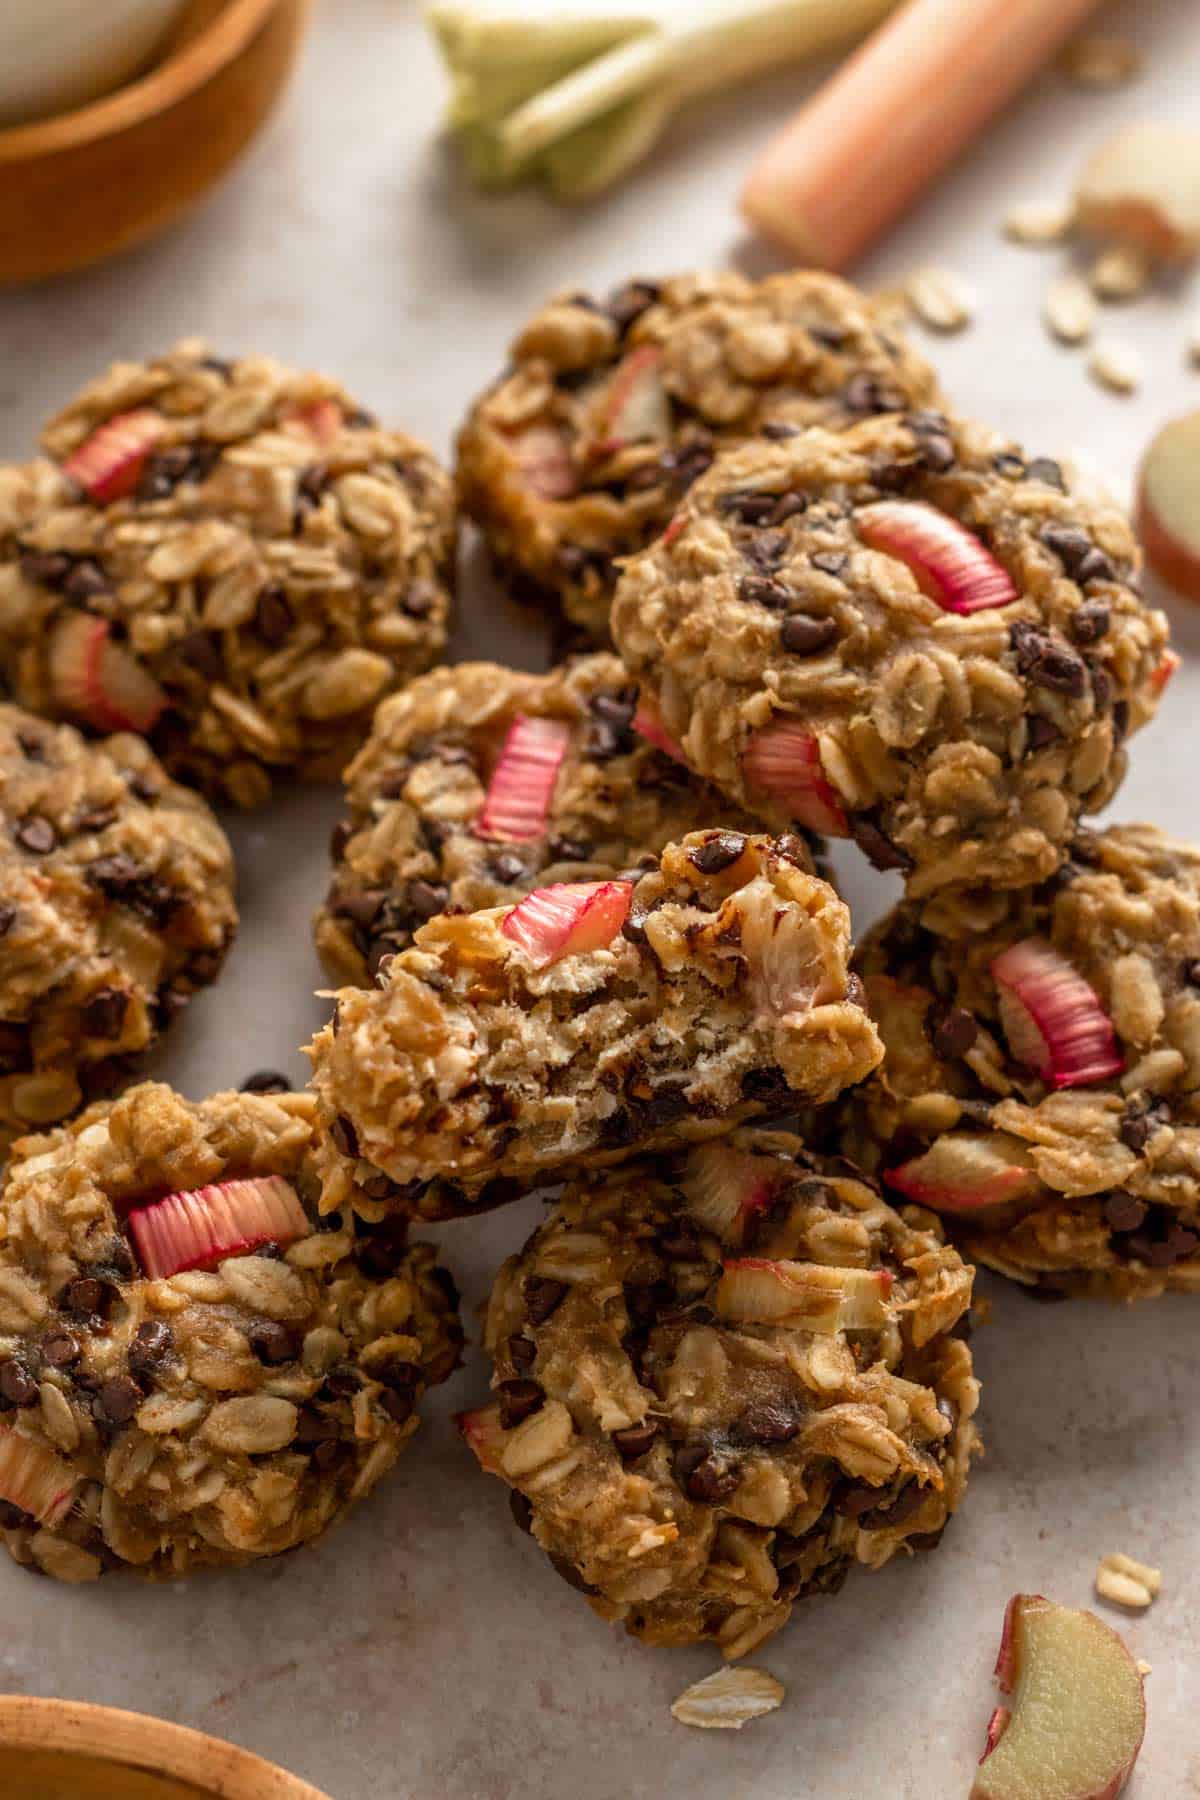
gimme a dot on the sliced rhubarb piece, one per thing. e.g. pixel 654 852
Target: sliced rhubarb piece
pixel 965 1171
pixel 811 1296
pixel 321 420
pixel 108 465
pixel 98 681
pixel 636 407
pixel 673 530
pixel 199 1229
pixel 567 919
pixel 947 562
pixel 647 722
pixel 784 760
pixel 724 1188
pixel 544 459
pixel 34 1479
pixel 996 1727
pixel 1053 1020
pixel 1168 662
pixel 522 785
pixel 483 1434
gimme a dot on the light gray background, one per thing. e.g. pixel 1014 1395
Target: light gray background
pixel 425 1649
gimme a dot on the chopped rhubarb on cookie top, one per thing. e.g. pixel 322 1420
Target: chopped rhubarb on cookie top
pixel 521 789
pixel 108 464
pixel 199 1229
pixel 784 760
pixel 97 681
pixel 1053 1020
pixel 567 919
pixel 947 562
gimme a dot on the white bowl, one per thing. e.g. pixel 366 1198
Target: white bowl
pixel 57 54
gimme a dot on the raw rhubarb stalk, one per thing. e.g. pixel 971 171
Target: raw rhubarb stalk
pixel 898 113
pixel 567 919
pixel 725 1188
pixel 965 1171
pixel 34 1479
pixel 810 1296
pixel 108 465
pixel 199 1229
pixel 784 760
pixel 522 785
pixel 98 681
pixel 647 722
pixel 947 562
pixel 1053 1020
pixel 636 406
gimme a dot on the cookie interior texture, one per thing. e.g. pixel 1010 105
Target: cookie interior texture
pixel 690 1453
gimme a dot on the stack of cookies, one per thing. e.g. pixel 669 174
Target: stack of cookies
pixel 586 944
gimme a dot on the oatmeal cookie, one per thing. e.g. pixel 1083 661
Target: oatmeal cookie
pixel 591 1021
pixel 581 451
pixel 904 633
pixel 724 1380
pixel 191 1372
pixel 1042 1083
pixel 116 904
pixel 479 783
pixel 231 558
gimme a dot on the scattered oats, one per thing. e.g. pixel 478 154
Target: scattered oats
pixel 1040 222
pixel 1116 367
pixel 939 299
pixel 1126 1582
pixel 1093 61
pixel 725 1700
pixel 1121 273
pixel 1070 309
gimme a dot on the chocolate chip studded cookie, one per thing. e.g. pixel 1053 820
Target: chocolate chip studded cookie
pixel 116 904
pixel 230 558
pixel 581 452
pixel 904 633
pixel 479 783
pixel 190 1372
pixel 1043 1070
pixel 588 1022
pixel 722 1382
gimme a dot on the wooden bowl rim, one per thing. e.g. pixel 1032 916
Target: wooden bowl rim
pixel 161 87
pixel 137 1741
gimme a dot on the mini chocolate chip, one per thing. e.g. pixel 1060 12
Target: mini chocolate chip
pixel 767 548
pixel 1124 1212
pixel 266 1081
pixel 519 1399
pixel 521 1508
pixel 788 506
pixel 117 1400
pixel 152 1344
pixel 761 590
pixel 635 1440
pixel 362 905
pixel 86 580
pixel 312 1427
pixel 907 1501
pixel 200 653
pixel 35 834
pixel 1178 1244
pixel 718 851
pixel 273 617
pixel 1189 971
pixel 879 851
pixel 629 301
pixel 341 1382
pixel 1068 543
pixel 104 1014
pixel 542 1297
pixel 570 1574
pixel 803 635
pixel 749 505
pixel 937 453
pixel 426 898
pixel 1046 663
pixel 522 1352
pixel 868 394
pixel 344 1136
pixel 507 867
pixel 1041 731
pixel 954 1032
pixel 634 928
pixel 45 568
pixel 777 430
pixel 272 1342
pixel 60 1349
pixel 1047 471
pixel 339 837
pixel 17 1385
pixel 84 1295
pixel 829 562
pixel 1010 466
pixel 420 600
pixel 1120 720
pixel 1095 566
pixel 711 1481
pixel 13 1519
pixel 764 1423
pixel 1135 1131
pixel 856 1500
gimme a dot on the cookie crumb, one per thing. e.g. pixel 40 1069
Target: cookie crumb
pixel 727 1699
pixel 1116 367
pixel 1126 1582
pixel 1040 222
pixel 1099 62
pixel 1070 310
pixel 939 299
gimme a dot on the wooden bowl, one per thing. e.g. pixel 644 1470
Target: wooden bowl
pixel 80 187
pixel 61 1750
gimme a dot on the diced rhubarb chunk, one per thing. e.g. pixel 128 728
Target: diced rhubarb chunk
pixel 810 1296
pixel 320 420
pixel 544 459
pixel 34 1479
pixel 1053 1020
pixel 636 407
pixel 996 1727
pixel 724 1188
pixel 947 562
pixel 1167 665
pixel 568 919
pixel 784 760
pixel 201 1228
pixel 522 785
pixel 647 722
pixel 965 1171
pixel 483 1434
pixel 98 681
pixel 108 465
